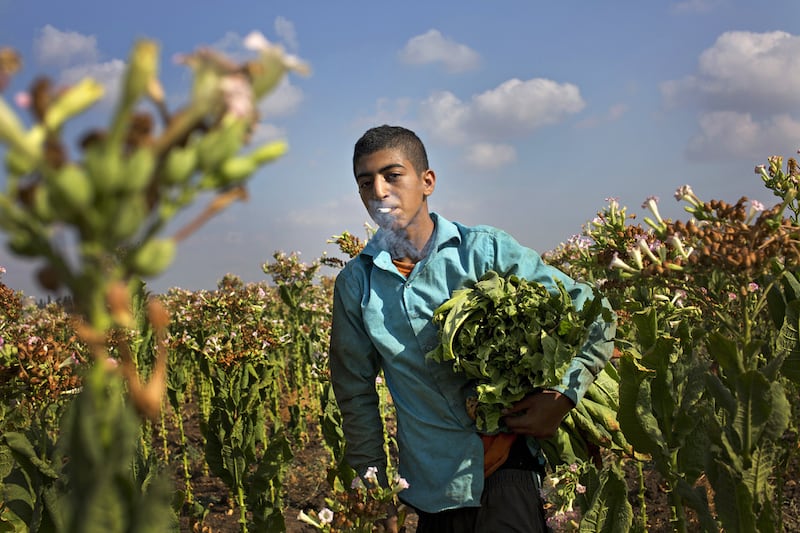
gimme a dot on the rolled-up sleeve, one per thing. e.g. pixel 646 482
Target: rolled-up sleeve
pixel 354 366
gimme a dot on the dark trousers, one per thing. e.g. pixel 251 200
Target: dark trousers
pixel 510 503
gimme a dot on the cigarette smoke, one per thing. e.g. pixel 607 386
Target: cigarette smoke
pixel 394 239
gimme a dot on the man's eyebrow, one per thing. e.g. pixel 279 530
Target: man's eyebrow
pixel 380 171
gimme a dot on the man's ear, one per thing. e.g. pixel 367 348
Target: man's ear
pixel 429 180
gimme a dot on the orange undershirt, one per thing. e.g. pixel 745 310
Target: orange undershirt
pixel 495 451
pixel 404 268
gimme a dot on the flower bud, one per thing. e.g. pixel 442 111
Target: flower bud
pixel 142 69
pixel 73 101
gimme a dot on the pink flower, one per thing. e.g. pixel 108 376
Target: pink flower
pixel 22 99
pixel 752 286
pixel 238 96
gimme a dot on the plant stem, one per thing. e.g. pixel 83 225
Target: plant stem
pixel 242 509
pixel 642 499
pixel 187 476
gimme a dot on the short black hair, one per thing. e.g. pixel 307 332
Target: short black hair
pixel 398 137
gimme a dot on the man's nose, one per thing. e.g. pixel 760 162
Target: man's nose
pixel 380 187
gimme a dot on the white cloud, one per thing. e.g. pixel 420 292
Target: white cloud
pixel 446 117
pixel 747 91
pixel 743 71
pixel 265 132
pixel 726 134
pixel 285 30
pixel 522 106
pixel 77 56
pixel 491 156
pixel 64 48
pixel 512 109
pixel 433 47
pixel 282 101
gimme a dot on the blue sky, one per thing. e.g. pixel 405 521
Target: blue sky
pixel 533 112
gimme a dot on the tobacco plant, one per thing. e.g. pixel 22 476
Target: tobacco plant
pixel 708 335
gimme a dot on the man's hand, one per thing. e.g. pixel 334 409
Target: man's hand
pixel 539 414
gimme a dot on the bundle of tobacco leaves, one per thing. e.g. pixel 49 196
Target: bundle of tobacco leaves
pixel 512 336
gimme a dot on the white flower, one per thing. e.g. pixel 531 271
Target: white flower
pixel 326 516
pixel 636 255
pixel 371 474
pixel 616 262
pixel 645 247
pixel 675 242
pixel 651 203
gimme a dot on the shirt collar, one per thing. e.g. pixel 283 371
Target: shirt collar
pixel 444 231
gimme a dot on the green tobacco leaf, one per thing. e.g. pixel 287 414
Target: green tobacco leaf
pixel 753 409
pixel 697 499
pixel 779 418
pixel 610 511
pixel 726 353
pixel 23 449
pixel 791 286
pixel 776 306
pixel 646 328
pixel 636 418
pixel 788 343
pixel 732 498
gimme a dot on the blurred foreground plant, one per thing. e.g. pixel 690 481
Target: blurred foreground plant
pixel 112 200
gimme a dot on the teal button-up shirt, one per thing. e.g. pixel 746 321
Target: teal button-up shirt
pixel 381 319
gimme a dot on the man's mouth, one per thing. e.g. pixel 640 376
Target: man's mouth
pixel 384 210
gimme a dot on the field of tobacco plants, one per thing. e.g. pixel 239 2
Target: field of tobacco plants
pixel 247 435
pixel 125 411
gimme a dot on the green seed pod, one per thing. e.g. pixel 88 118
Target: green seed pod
pixel 42 206
pixel 269 152
pixel 129 218
pixel 220 144
pixel 18 164
pixel 72 188
pixel 180 165
pixel 236 169
pixel 153 257
pixel 139 169
pixel 105 167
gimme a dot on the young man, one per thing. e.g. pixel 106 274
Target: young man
pixel 383 305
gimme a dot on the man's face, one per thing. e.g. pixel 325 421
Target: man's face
pixel 391 190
